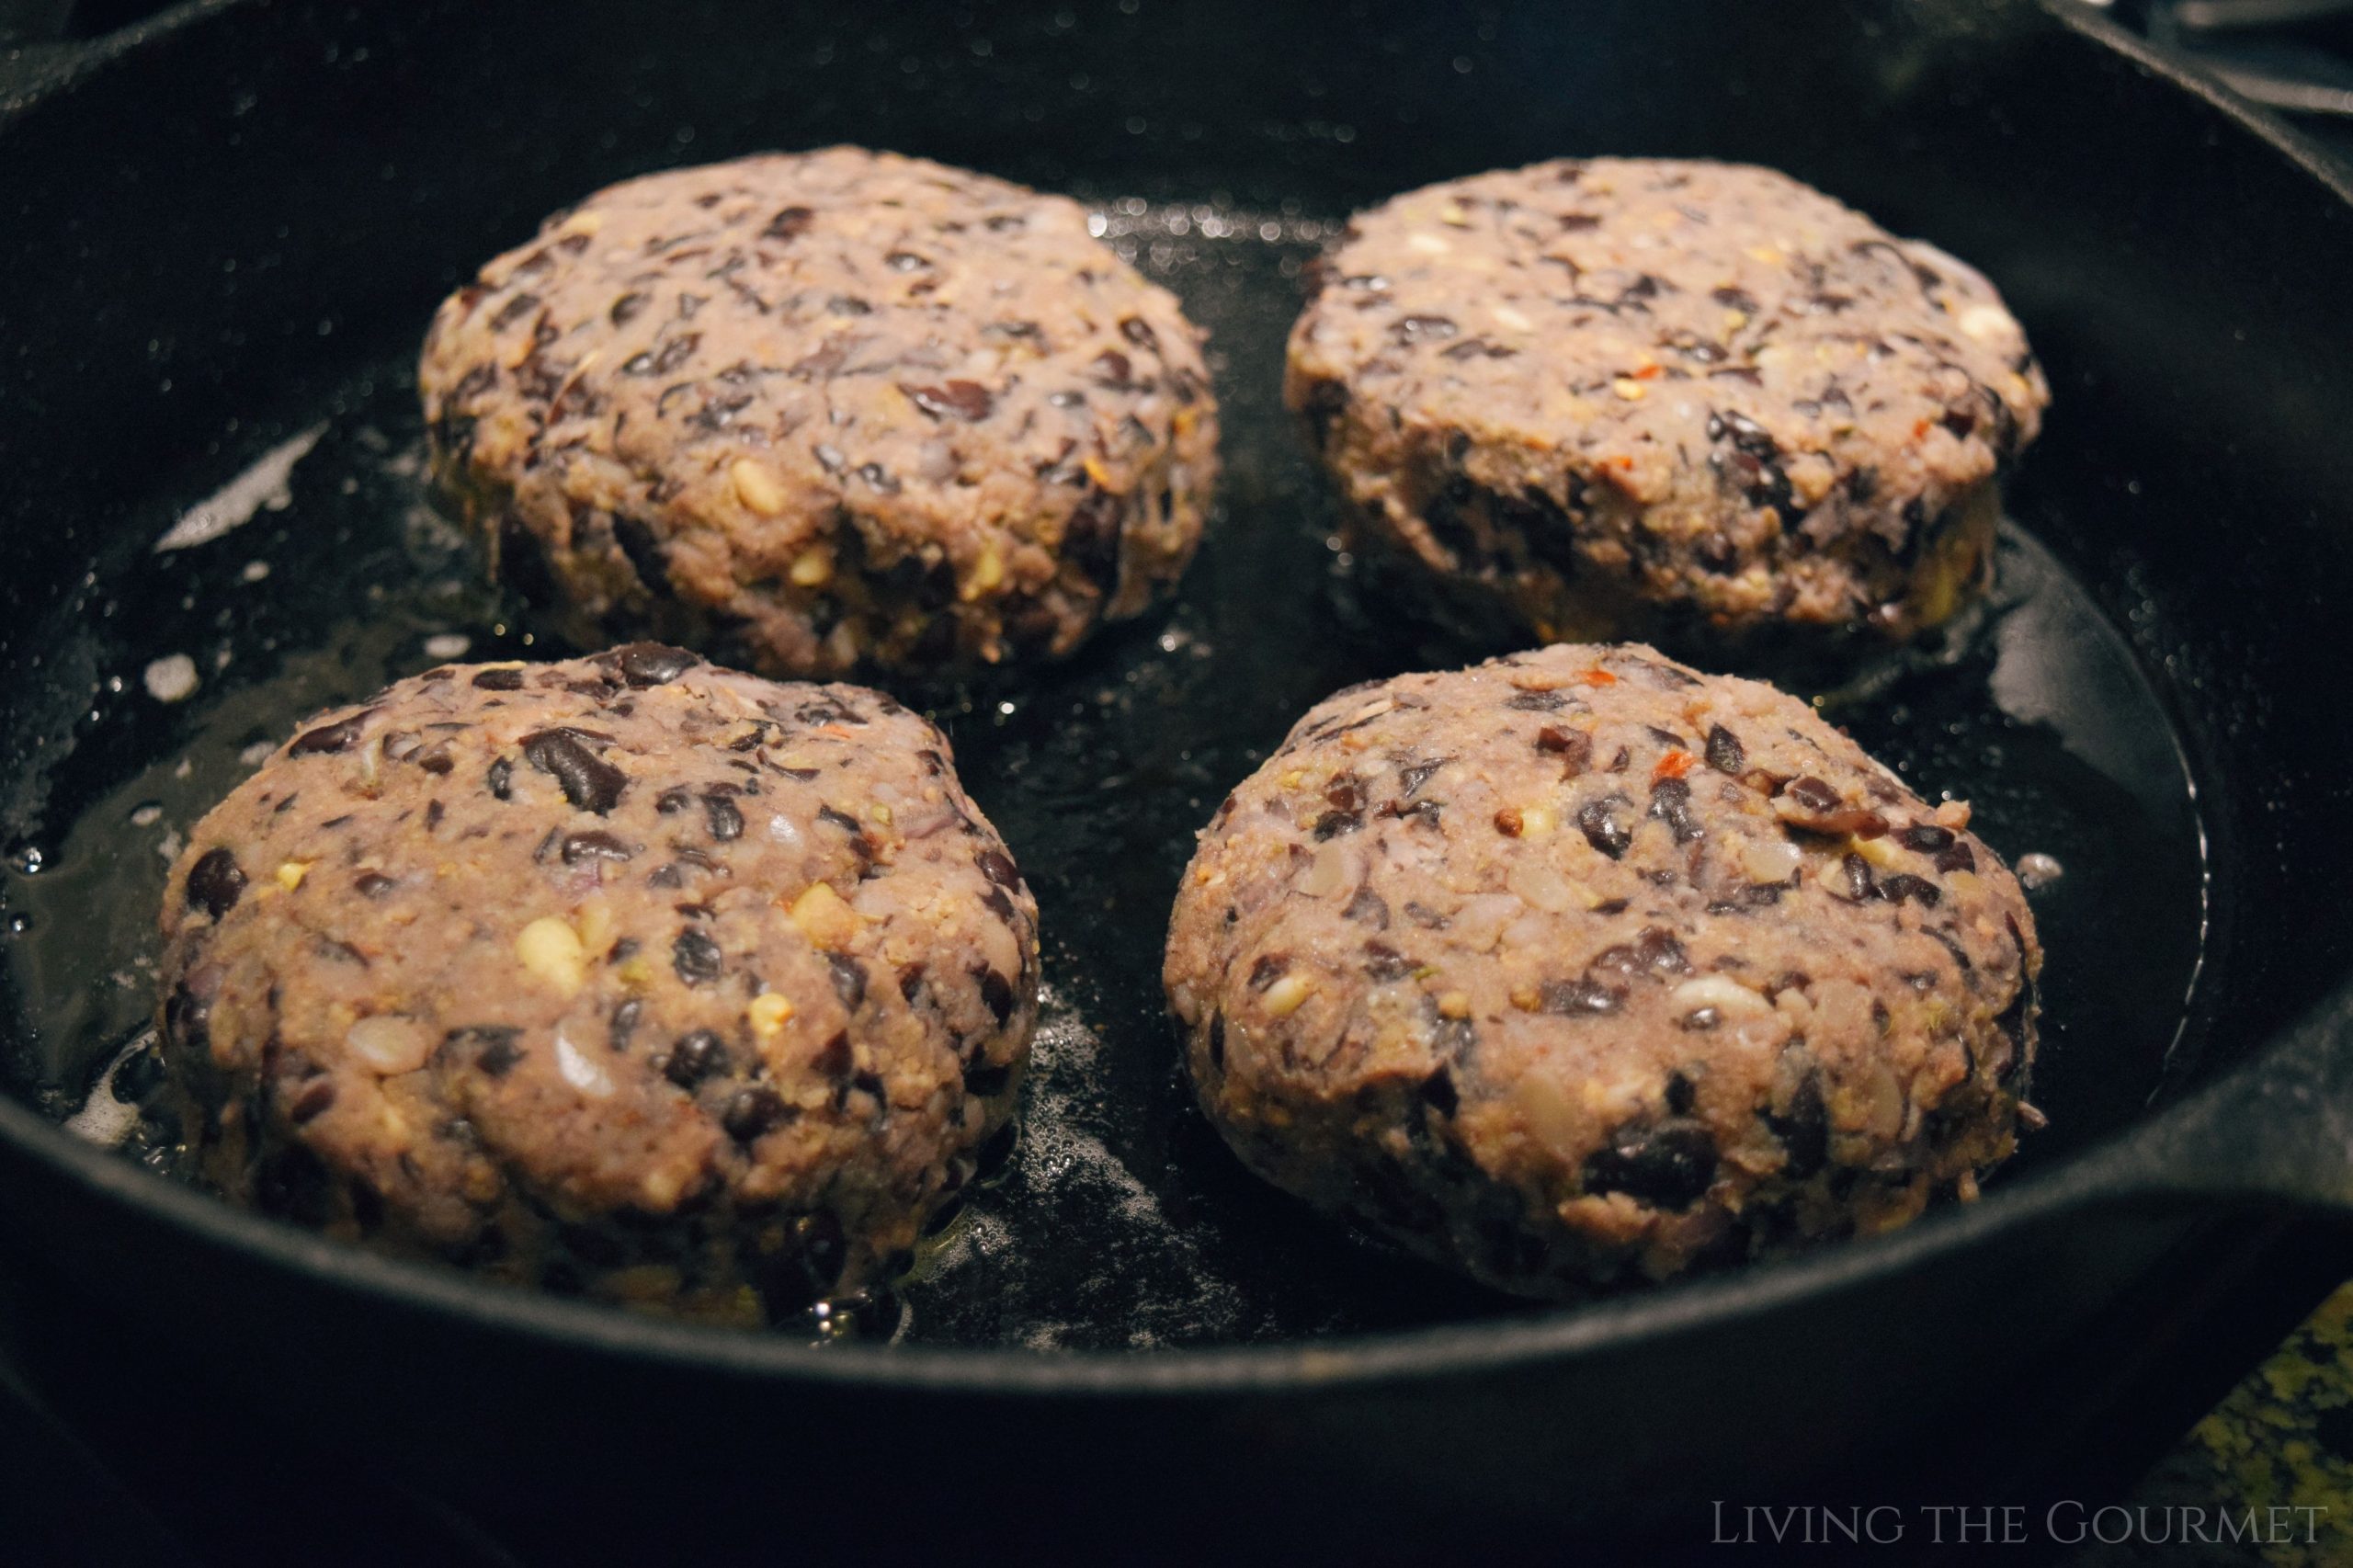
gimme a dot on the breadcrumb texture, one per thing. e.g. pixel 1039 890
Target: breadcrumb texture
pixel 1612 396
pixel 825 410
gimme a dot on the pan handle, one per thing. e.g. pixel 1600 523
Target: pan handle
pixel 2278 1129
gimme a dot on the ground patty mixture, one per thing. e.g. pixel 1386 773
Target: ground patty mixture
pixel 629 975
pixel 1620 395
pixel 1579 965
pixel 823 410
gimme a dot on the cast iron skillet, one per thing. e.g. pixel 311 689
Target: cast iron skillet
pixel 222 232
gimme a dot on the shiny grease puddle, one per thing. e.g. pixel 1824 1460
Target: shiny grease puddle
pixel 1118 1220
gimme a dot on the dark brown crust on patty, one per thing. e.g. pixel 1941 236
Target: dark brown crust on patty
pixel 1619 396
pixel 825 410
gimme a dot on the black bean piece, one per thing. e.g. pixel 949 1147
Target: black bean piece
pixel 645 554
pixel 1661 953
pixel 495 1051
pixel 752 1111
pixel 965 399
pixel 623 1025
pixel 1270 968
pixel 842 819
pixel 1573 747
pixel 1385 962
pixel 589 782
pixel 1903 885
pixel 329 738
pixel 499 680
pixel 215 883
pixel 1725 754
pixel 1603 825
pixel 1113 369
pixel 651 663
pixel 1699 1020
pixel 1744 433
pixel 789 223
pixel 626 308
pixel 1537 701
pixel 187 1020
pixel 1857 873
pixel 1331 825
pixel 1367 908
pixel 694 1057
pixel 1804 1130
pixel 1815 795
pixel 1439 1094
pixel 1092 537
pixel 1681 1093
pixel 1410 778
pixel 311 1100
pixel 849 978
pixel 1926 838
pixel 594 845
pixel 501 778
pixel 1957 858
pixel 374 884
pixel 1580 998
pixel 834 1058
pixel 672 801
pixel 696 956
pixel 998 868
pixel 726 821
pixel 1138 331
pixel 1671 803
pixel 1670 1164
pixel 997 992
pixel 1416 329
pixel 661 361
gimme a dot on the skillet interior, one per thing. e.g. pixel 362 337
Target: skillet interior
pixel 478 123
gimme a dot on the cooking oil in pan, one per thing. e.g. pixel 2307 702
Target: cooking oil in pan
pixel 310 569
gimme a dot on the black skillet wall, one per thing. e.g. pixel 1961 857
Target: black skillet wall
pixel 216 251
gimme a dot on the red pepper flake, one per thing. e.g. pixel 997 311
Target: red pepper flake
pixel 1597 677
pixel 1649 373
pixel 1673 764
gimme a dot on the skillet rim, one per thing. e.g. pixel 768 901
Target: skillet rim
pixel 2124 1168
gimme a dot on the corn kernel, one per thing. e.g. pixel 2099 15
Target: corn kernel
pixel 814 567
pixel 767 1014
pixel 1284 996
pixel 292 872
pixel 987 572
pixel 758 487
pixel 823 917
pixel 549 950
